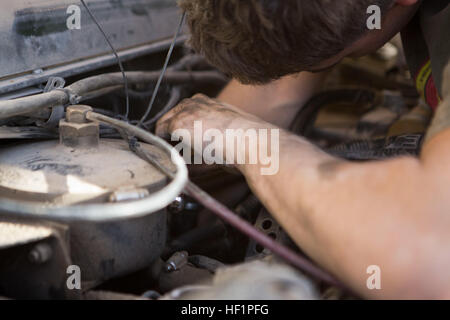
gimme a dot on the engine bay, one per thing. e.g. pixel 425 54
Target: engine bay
pixel 85 213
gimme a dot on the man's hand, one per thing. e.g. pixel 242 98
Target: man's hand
pixel 212 113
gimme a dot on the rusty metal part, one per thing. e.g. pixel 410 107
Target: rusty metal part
pixel 76 131
pixel 77 114
pixel 79 135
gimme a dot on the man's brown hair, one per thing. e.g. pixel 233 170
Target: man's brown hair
pixel 257 41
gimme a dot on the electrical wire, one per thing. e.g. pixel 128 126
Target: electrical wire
pixel 125 81
pixel 163 71
pixel 175 96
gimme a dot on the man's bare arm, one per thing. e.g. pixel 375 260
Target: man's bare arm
pixel 348 216
pixel 277 102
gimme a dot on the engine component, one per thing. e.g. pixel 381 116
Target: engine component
pixel 33 260
pixel 74 93
pixel 227 215
pixel 176 261
pixel 84 174
pixel 257 280
pixel 82 169
pixel 379 149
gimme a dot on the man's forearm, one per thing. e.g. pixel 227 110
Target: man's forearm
pixel 349 216
pixel 277 102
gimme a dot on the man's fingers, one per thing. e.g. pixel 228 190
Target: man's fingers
pixel 164 124
pixel 184 112
pixel 162 129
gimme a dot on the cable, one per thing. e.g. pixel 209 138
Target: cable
pixel 175 96
pixel 125 81
pixel 163 71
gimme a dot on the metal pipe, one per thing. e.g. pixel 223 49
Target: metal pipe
pixel 75 92
pixel 102 212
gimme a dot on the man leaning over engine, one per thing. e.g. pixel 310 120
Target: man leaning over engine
pixel 346 216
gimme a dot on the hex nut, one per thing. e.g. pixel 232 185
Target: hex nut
pixel 79 134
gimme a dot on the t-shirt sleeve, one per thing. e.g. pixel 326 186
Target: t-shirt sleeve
pixel 427 48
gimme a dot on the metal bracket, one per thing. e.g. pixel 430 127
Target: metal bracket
pixel 54 83
pixel 57 113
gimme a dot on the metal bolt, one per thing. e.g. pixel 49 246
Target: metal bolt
pixel 77 114
pixel 177 261
pixel 76 130
pixel 177 205
pixel 41 253
pixel 128 195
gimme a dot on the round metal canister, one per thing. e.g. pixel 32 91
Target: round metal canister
pixel 54 173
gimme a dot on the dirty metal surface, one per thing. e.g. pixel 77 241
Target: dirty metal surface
pixel 35 36
pixel 14 234
pixel 53 172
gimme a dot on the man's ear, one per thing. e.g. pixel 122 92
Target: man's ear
pixel 406 2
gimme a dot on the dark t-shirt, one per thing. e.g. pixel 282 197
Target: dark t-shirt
pixel 426 42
